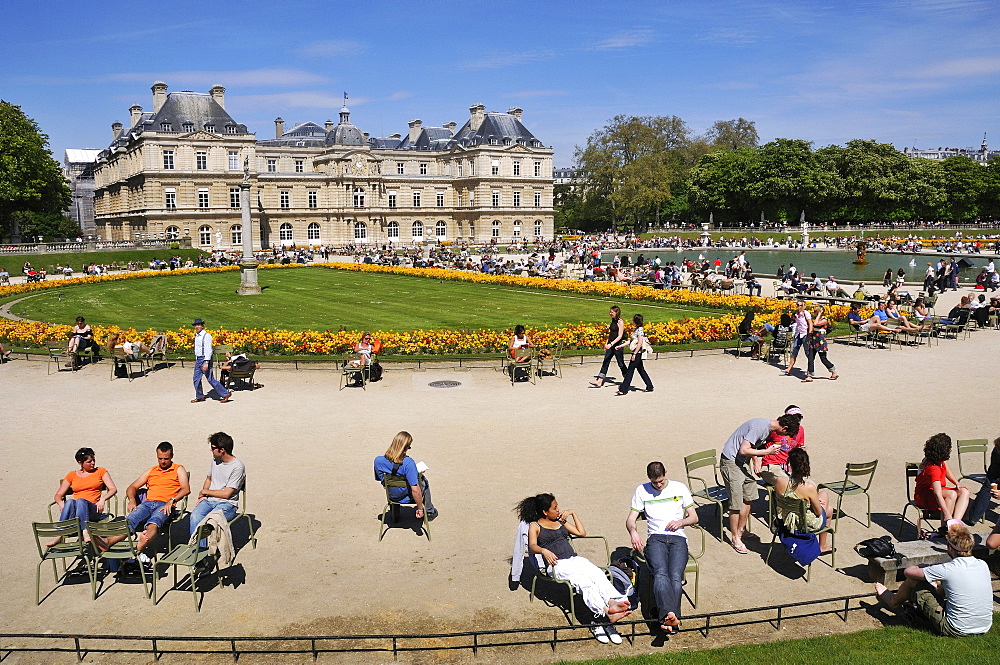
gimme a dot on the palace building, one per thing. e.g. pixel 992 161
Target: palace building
pixel 175 173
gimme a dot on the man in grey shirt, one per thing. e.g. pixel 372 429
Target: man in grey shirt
pixel 225 479
pixel 741 483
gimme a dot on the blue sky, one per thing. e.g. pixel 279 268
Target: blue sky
pixel 923 73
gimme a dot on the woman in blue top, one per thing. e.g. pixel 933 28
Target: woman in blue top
pixel 397 462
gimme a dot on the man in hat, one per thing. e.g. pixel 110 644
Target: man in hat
pixel 203 364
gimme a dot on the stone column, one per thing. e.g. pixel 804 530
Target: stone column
pixel 248 266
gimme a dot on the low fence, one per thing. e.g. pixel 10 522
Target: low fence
pixel 551 636
pixel 91 246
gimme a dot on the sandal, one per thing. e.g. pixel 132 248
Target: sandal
pixel 808 379
pixel 620 393
pixel 834 376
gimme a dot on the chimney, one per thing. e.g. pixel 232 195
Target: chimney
pixel 476 116
pixel 395 135
pixel 516 112
pixel 136 112
pixel 367 136
pixel 328 124
pixel 279 127
pixel 414 130
pixel 116 129
pixel 450 126
pixel 219 95
pixel 159 95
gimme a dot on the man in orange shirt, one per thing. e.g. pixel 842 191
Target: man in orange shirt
pixel 166 484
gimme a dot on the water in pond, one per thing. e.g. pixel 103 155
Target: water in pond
pixel 824 264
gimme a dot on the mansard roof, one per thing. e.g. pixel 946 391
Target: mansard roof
pixel 497 129
pixel 302 134
pixel 197 109
pixel 429 138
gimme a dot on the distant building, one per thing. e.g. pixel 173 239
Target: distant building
pixel 176 171
pixel 982 155
pixel 564 176
pixel 78 167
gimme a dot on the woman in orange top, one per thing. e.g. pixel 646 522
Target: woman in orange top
pixel 931 490
pixel 88 485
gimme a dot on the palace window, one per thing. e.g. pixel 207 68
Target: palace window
pixel 360 231
pixel 234 197
pixel 392 199
pixel 417 230
pixel 202 198
pixel 416 199
pixel 236 234
pixel 312 231
pixel 205 236
pixel 234 160
pixel 170 199
pixel 393 230
pixel 517 167
pixel 399 168
pixel 423 168
pixel 440 199
pixel 231 129
pixel 441 229
pixel 538 199
pixel 165 127
pixel 538 169
pixel 495 167
pixel 285 232
pixel 285 198
pixel 460 169
pixel 173 233
pixel 538 228
pixel 496 199
pixel 359 197
pixel 188 127
pixel 210 129
pixel 517 199
pixel 201 160
pixel 517 228
pixel 300 165
pixel 496 228
pixel 168 160
pixel 313 198
pixel 272 165
pixel 472 167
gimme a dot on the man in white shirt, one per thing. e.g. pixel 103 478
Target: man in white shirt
pixel 956 597
pixel 668 508
pixel 203 364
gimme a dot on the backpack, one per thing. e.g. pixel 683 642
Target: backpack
pixel 878 547
pixel 375 372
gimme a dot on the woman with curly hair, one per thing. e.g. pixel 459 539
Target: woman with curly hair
pixel 932 491
pixel 799 485
pixel 549 529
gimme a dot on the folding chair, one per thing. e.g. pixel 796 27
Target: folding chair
pixel 120 551
pixel 119 357
pixel 390 481
pixel 712 490
pixel 242 514
pixel 354 372
pixel 157 349
pixel 976 448
pixel 791 504
pixel 779 345
pixel 71 547
pixel 554 363
pixel 527 365
pixel 864 473
pixel 537 564
pixel 692 563
pixel 57 357
pixel 191 557
pixel 912 470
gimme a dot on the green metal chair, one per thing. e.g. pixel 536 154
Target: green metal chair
pixel 119 357
pixel 791 504
pixel 863 473
pixel 242 514
pixel 912 469
pixel 354 372
pixel 553 365
pixel 121 551
pixel 57 357
pixel 978 448
pixel 541 572
pixel 191 557
pixel 711 488
pixel 691 567
pixel 527 366
pixel 72 547
pixel 392 506
pixel 157 349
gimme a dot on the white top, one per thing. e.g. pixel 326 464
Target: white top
pixel 968 594
pixel 663 506
pixel 203 345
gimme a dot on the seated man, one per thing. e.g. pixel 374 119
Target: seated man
pixel 222 485
pixel 858 322
pixel 834 289
pixel 166 484
pixel 239 362
pixel 860 293
pixel 956 597
pixel 669 508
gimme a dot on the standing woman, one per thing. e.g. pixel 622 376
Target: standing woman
pixel 640 349
pixel 887 280
pixel 816 345
pixel 88 484
pixel 616 332
pixel 800 331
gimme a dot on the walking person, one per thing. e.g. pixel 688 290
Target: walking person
pixel 801 331
pixel 816 345
pixel 203 364
pixel 616 332
pixel 640 350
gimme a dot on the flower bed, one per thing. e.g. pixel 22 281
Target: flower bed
pixel 586 336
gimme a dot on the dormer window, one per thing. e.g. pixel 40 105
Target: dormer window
pixel 210 129
pixel 188 127
pixel 165 127
pixel 493 141
pixel 231 129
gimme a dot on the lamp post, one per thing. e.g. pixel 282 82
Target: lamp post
pixel 248 265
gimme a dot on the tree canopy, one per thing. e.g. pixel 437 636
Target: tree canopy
pixel 33 190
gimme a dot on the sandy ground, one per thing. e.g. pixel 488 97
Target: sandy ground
pixel 318 566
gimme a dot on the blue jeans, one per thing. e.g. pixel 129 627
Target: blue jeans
pixel 146 513
pixel 618 355
pixel 633 367
pixel 198 374
pixel 797 343
pixel 667 557
pixel 980 504
pixel 80 509
pixel 205 506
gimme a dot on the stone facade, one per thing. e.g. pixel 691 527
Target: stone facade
pixel 176 172
pixel 78 167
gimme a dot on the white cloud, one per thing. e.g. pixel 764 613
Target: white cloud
pixel 627 39
pixel 537 93
pixel 732 37
pixel 498 60
pixel 961 67
pixel 247 78
pixel 331 47
pixel 308 99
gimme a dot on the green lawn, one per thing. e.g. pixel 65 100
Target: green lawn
pixel 14 262
pixel 894 645
pixel 321 299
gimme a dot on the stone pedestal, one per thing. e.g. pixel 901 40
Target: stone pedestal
pixel 248 278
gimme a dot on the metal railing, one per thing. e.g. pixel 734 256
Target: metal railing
pixel 159 645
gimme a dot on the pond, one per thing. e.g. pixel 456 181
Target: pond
pixel 823 263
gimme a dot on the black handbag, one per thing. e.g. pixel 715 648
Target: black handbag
pixel 878 547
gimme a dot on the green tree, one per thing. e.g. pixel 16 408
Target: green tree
pixel 792 180
pixel 732 134
pixel 965 184
pixel 723 185
pixel 32 186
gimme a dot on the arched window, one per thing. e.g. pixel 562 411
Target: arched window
pixel 173 233
pixel 285 232
pixel 205 236
pixel 417 231
pixel 312 232
pixel 496 228
pixel 441 229
pixel 517 228
pixel 393 230
pixel 538 228
pixel 359 197
pixel 236 234
pixel 360 231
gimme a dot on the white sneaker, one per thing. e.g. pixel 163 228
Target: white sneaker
pixel 600 634
pixel 144 558
pixel 613 634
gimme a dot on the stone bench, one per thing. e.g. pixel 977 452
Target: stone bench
pixel 915 553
